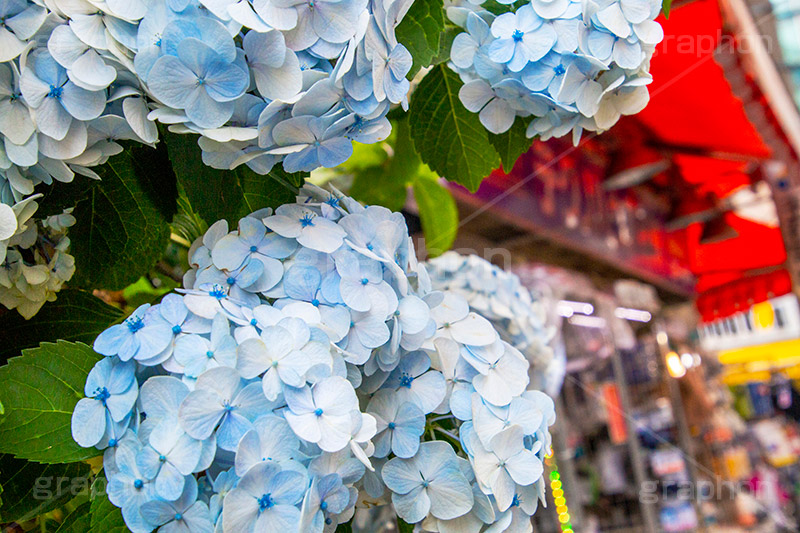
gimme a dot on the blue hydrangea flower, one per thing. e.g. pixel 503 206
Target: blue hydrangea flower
pixel 140 336
pixel 266 500
pixel 322 414
pixel 197 354
pixel 414 381
pixel 222 401
pixel 521 37
pixel 170 456
pixel 184 514
pixel 21 20
pixel 326 496
pixel 111 390
pixel 430 482
pixel 128 488
pixel 399 426
pixel 271 439
pixel 310 229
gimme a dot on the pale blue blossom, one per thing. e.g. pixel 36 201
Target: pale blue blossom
pixel 140 336
pixel 399 425
pixel 271 439
pixel 111 391
pixel 265 500
pixel 196 354
pixel 222 401
pixel 184 514
pixel 128 488
pixel 326 496
pixel 521 37
pixel 310 229
pixel 21 20
pixel 430 482
pixel 170 456
pixel 322 414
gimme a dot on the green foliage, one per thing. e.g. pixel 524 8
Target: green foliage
pixel 74 316
pixel 511 144
pixel 448 138
pixel 230 194
pixel 78 520
pixel 438 213
pixel 105 517
pixel 419 32
pixel 122 224
pixel 31 489
pixel 666 7
pixel 387 183
pixel 403 527
pixel 145 291
pixel 39 391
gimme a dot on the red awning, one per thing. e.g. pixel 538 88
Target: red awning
pixel 697 120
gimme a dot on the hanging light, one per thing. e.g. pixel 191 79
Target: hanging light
pixel 675 366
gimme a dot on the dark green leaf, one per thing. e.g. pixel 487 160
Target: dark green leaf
pixel 450 139
pixel 345 528
pixel 666 7
pixel 39 391
pixel 445 44
pixel 74 316
pixel 496 8
pixel 154 171
pixel 438 213
pixel 78 521
pixel 261 191
pixel 31 489
pixel 214 194
pixel 105 517
pixel 403 527
pixel 419 32
pixel 511 144
pixel 59 196
pixel 120 232
pixel 230 194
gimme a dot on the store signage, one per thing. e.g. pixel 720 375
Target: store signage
pixel 774 320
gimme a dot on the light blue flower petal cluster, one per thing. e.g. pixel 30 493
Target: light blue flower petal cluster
pixel 519 316
pixel 562 66
pixel 307 359
pixel 263 82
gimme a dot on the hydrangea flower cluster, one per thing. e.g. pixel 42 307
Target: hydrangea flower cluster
pixel 519 318
pixel 261 81
pixel 565 65
pixel 308 365
pixel 34 262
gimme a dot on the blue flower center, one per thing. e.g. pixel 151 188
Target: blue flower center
pixel 162 458
pixel 307 220
pixel 517 35
pixel 392 425
pixel 315 302
pixel 328 520
pixel 55 92
pixel 516 501
pixel 134 323
pixel 364 281
pixel 370 247
pixel 559 69
pixel 406 379
pixel 178 516
pixel 209 354
pixel 231 280
pixel 332 201
pixel 200 81
pixel 217 291
pixel 265 502
pixel 318 411
pixel 102 395
pixel 253 321
pixel 425 484
pixel 227 406
pixel 323 506
pixel 138 484
pixel 397 312
pixel 253 249
pixel 176 329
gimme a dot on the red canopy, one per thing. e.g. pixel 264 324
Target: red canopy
pixel 696 118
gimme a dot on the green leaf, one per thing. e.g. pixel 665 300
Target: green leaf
pixel 105 517
pixel 403 527
pixel 144 291
pixel 419 32
pixel 450 139
pixel 511 144
pixel 31 489
pixel 74 316
pixel 445 44
pixel 438 213
pixel 78 521
pixel 121 232
pixel 39 391
pixel 230 194
pixel 666 7
pixel 154 171
pixel 59 196
pixel 347 527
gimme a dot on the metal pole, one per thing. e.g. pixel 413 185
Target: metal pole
pixel 649 512
pixel 684 438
